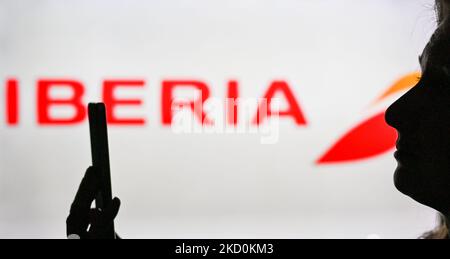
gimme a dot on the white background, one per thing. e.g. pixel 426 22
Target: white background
pixel 338 56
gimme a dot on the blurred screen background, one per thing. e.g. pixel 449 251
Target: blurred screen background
pixel 337 57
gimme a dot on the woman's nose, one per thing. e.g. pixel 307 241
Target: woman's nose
pixel 403 114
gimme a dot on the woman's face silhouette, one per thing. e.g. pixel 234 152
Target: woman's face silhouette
pixel 422 120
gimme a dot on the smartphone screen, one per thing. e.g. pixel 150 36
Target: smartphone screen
pixel 100 156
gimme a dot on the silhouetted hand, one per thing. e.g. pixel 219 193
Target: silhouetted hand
pixel 84 222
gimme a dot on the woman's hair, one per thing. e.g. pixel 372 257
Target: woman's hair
pixel 440 232
pixel 439 11
pixel 442 9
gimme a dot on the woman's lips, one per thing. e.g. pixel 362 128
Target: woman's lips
pixel 402 155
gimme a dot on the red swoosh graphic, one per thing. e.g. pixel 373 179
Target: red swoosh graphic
pixel 368 139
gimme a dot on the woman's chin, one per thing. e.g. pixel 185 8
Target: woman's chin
pixel 407 182
pixel 404 180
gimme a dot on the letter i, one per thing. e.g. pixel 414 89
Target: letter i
pixel 231 102
pixel 12 102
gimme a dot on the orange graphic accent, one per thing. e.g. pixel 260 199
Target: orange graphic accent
pixel 404 83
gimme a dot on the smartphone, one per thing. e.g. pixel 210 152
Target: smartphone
pixel 100 156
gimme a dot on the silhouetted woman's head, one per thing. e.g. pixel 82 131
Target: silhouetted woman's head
pixel 422 120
